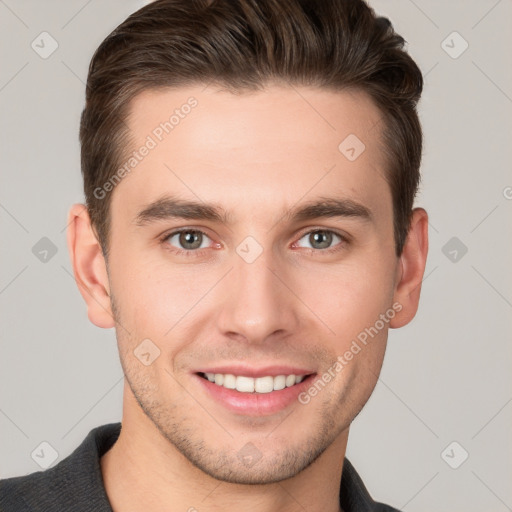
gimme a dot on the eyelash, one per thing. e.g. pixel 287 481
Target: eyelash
pixel 194 252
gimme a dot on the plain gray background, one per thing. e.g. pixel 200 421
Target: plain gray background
pixel 446 376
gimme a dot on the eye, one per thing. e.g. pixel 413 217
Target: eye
pixel 189 242
pixel 321 240
pixel 186 240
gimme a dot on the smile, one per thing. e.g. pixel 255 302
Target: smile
pixel 245 384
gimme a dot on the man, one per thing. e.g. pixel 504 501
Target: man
pixel 250 169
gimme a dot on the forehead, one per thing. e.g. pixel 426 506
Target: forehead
pixel 265 149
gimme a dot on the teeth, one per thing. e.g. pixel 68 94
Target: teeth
pixel 264 384
pixel 229 381
pixel 249 385
pixel 245 384
pixel 279 382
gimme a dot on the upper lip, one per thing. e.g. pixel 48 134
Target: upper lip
pixel 247 371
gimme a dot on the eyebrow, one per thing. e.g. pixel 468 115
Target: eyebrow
pixel 169 207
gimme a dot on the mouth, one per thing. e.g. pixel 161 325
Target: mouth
pixel 250 391
pixel 254 385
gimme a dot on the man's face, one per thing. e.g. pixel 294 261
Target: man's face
pixel 263 294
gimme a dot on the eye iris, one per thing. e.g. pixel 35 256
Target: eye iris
pixel 317 236
pixel 190 237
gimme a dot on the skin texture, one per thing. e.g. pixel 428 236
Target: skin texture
pixel 258 155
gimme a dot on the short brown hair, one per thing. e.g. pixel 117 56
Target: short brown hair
pixel 245 44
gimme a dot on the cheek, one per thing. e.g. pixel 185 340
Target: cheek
pixel 350 298
pixel 144 300
pixel 155 296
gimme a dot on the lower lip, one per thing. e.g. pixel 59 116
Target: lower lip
pixel 254 404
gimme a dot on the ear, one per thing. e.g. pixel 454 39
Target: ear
pixel 89 267
pixel 411 269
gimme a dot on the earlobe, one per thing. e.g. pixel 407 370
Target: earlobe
pixel 411 269
pixel 89 267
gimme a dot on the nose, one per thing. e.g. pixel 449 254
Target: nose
pixel 259 303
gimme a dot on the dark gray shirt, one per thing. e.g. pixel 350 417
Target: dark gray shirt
pixel 76 484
